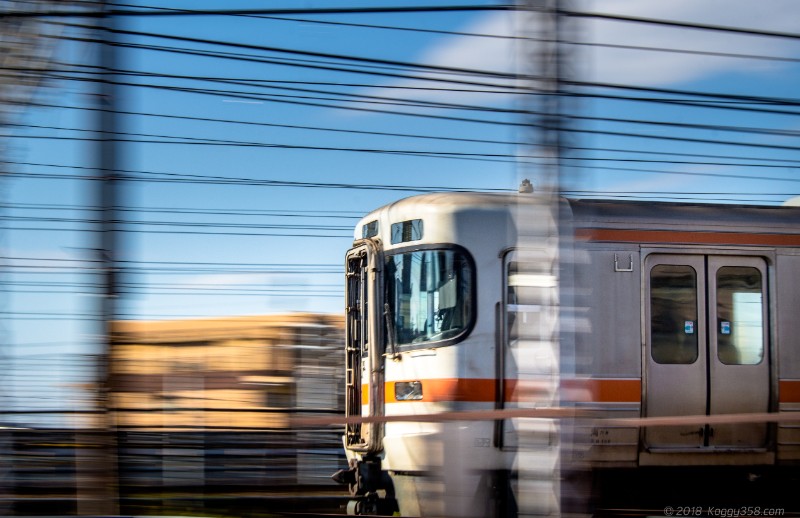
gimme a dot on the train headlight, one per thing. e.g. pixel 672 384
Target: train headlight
pixel 408 390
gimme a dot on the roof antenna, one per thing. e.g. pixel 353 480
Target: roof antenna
pixel 526 186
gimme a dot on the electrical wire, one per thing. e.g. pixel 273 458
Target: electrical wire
pixel 681 25
pixel 439 105
pixel 688 98
pixel 64 13
pixel 776 162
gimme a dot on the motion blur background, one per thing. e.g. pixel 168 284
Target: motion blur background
pixel 179 188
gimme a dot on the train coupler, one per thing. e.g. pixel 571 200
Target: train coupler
pixel 371 486
pixel 363 477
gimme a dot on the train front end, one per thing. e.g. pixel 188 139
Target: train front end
pixel 425 303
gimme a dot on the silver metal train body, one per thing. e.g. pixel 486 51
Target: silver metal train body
pixel 476 302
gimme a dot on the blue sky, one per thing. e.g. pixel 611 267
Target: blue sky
pixel 224 275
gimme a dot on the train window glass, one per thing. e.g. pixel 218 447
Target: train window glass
pixel 530 301
pixel 406 231
pixel 370 229
pixel 740 316
pixel 429 296
pixel 673 314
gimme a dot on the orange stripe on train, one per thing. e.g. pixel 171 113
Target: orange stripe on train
pixel 602 390
pixel 589 389
pixel 789 391
pixel 482 390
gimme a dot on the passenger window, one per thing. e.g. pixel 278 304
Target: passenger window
pixel 673 314
pixel 530 301
pixel 740 316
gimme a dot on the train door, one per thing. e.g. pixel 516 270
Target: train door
pixel 706 348
pixel 364 373
pixel 528 355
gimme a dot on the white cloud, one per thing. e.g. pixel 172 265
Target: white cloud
pixel 494 54
pixel 464 52
pixel 626 66
pixel 662 68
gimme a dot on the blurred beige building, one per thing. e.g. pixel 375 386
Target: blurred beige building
pixel 238 373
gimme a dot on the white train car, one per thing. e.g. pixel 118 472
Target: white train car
pixel 478 302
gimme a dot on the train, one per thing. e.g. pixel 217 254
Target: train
pixel 655 328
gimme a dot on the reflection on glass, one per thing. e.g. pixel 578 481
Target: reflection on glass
pixel 429 295
pixel 740 328
pixel 673 314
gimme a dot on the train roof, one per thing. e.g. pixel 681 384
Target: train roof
pixel 643 214
pixel 608 210
pixel 460 199
pixel 583 214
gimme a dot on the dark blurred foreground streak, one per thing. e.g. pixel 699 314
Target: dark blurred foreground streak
pixel 202 410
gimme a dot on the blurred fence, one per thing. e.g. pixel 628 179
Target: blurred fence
pixel 200 414
pixel 161 470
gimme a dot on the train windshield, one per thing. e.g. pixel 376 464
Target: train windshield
pixel 428 296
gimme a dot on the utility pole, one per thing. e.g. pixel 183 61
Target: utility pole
pixel 558 60
pixel 547 62
pixel 548 65
pixel 108 200
pixel 26 52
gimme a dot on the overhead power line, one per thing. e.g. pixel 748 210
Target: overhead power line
pixel 450 106
pixel 777 162
pixel 154 177
pixel 64 13
pixel 128 175
pixel 345 24
pixel 260 265
pixel 682 25
pixel 287 126
pixel 506 37
pixel 365 69
pixel 184 232
pixel 694 52
pixel 160 12
pixel 203 224
pixel 333 95
pixel 323 55
pixel 183 140
pixel 728 98
pixel 718 101
pixel 756 99
pixel 751 161
pixel 327 214
pixel 473 107
pixel 90 70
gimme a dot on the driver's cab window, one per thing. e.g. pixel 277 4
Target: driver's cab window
pixel 429 296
